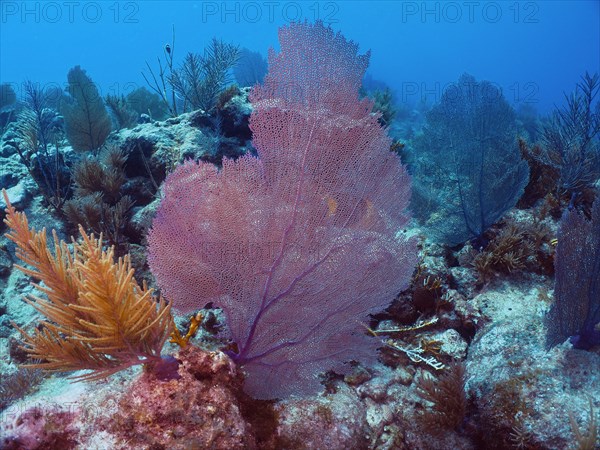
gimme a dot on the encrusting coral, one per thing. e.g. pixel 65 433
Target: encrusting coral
pixel 98 317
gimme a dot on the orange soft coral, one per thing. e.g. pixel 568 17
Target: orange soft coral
pixel 97 316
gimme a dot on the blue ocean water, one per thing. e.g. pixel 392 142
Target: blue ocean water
pixel 535 50
pixel 420 270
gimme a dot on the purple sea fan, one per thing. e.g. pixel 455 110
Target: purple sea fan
pixel 299 245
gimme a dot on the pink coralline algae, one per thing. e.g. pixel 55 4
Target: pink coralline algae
pixel 37 428
pixel 300 244
pixel 199 410
pixel 203 408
